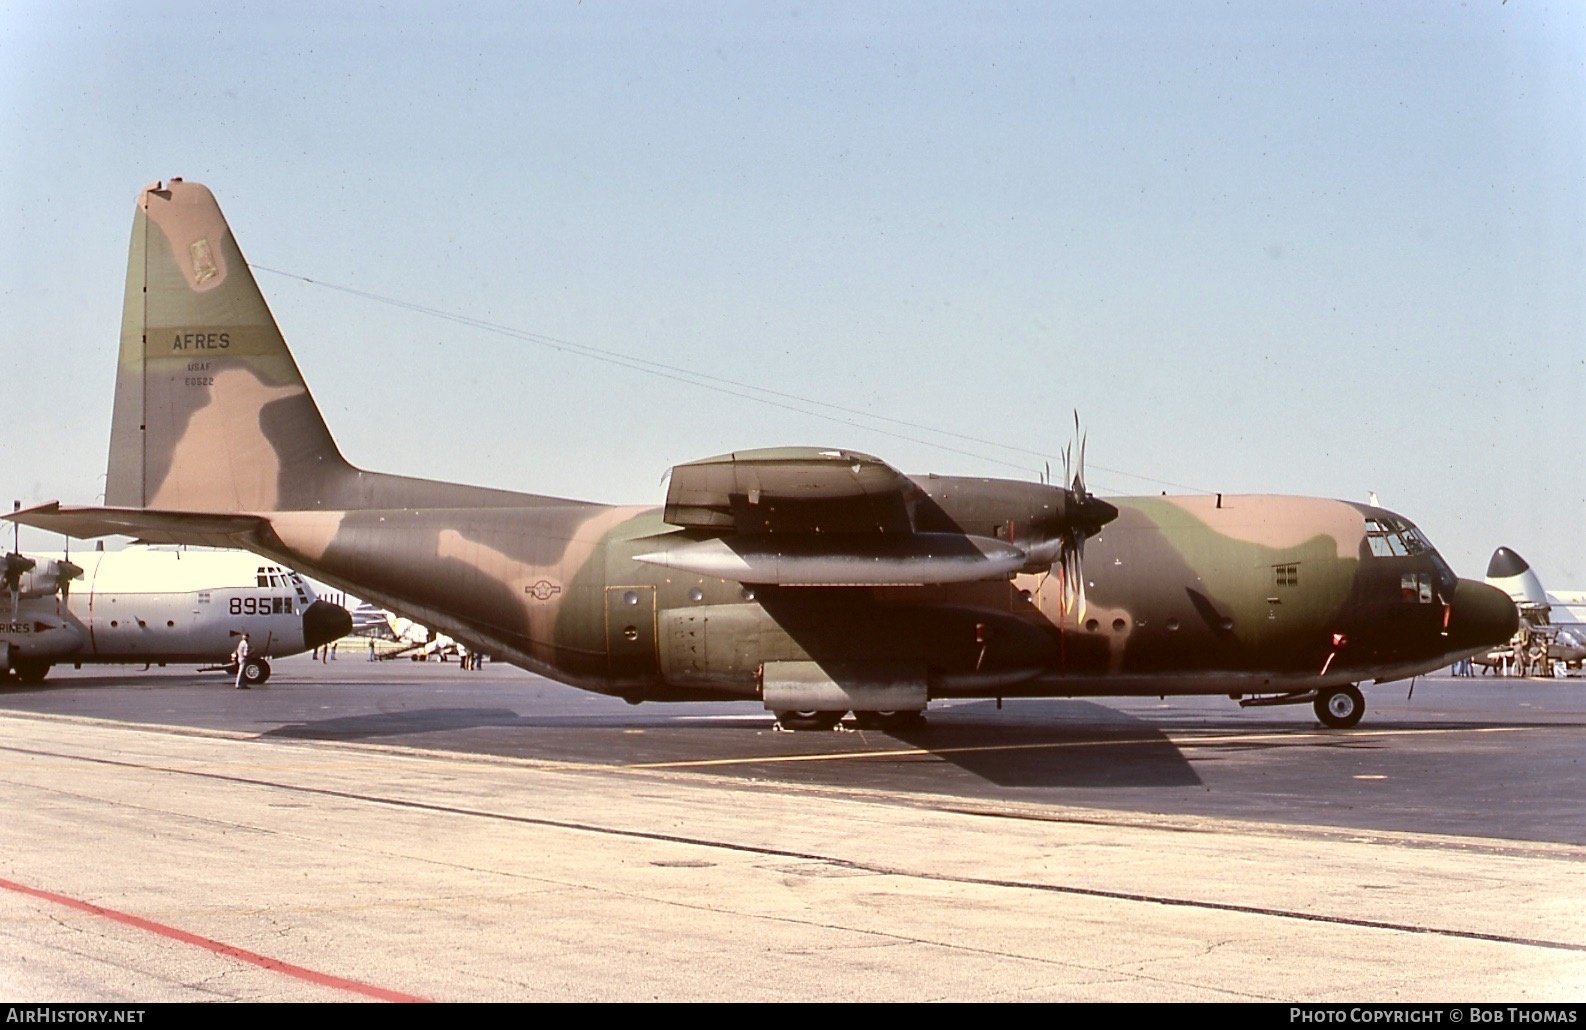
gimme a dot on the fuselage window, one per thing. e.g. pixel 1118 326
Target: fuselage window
pixel 1286 575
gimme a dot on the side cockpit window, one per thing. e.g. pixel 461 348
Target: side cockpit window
pixel 1416 588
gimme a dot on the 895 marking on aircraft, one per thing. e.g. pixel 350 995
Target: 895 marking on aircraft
pixel 817 580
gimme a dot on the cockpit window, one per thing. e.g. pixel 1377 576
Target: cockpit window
pixel 1416 588
pixel 1392 538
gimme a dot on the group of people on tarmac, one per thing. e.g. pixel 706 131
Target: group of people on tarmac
pixel 470 660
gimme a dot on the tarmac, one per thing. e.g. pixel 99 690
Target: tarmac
pixel 395 831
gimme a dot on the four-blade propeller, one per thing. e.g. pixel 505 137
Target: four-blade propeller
pixel 1086 515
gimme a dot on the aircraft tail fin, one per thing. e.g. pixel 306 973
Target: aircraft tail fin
pixel 1514 576
pixel 211 412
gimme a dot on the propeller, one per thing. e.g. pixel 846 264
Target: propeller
pixel 1085 516
pixel 65 572
pixel 17 566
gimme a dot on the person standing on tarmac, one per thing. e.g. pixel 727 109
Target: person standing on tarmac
pixel 242 661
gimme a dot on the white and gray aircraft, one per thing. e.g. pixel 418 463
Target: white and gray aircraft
pixel 1559 618
pixel 154 607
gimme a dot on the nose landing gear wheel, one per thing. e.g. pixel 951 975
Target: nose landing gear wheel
pixel 809 720
pixel 255 671
pixel 1340 707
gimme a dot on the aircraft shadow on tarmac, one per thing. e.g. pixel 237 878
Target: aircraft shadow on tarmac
pixel 1052 744
pixel 408 722
pixel 140 680
pixel 1048 744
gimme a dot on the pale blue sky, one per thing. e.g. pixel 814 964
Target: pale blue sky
pixel 1294 248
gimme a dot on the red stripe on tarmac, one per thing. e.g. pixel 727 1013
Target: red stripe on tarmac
pixel 254 958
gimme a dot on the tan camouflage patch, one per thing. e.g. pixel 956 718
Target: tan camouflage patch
pixel 1276 522
pixel 224 462
pixel 1074 615
pixel 308 533
pixel 531 583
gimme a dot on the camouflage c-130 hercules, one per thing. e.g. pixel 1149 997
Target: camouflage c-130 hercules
pixel 818 581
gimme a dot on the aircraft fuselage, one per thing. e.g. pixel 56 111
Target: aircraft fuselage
pixel 1239 594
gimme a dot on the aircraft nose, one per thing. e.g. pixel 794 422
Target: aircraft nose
pixel 324 622
pixel 1483 616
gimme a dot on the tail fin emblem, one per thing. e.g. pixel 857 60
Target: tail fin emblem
pixel 203 261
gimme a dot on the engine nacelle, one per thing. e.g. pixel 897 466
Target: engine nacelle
pixel 48 576
pixel 35 636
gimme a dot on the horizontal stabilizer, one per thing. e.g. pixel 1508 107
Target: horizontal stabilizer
pixel 151 526
pixel 790 490
pixel 842 561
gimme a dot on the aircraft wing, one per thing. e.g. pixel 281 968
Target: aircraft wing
pixel 148 525
pixel 811 517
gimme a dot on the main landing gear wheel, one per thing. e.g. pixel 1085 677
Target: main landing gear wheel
pixel 809 720
pixel 1340 707
pixel 904 720
pixel 255 671
pixel 32 671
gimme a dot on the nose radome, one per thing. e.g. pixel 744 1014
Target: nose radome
pixel 1483 616
pixel 324 622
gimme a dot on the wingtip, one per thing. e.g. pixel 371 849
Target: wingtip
pixel 47 508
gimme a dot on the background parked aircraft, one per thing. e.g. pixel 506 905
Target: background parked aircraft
pixel 1552 625
pixel 417 641
pixel 154 607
